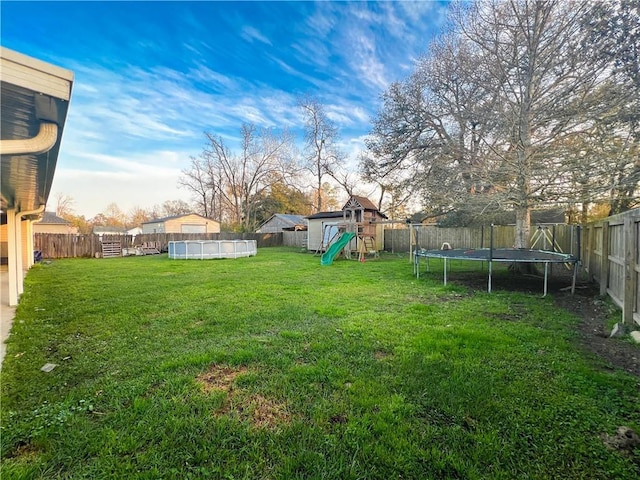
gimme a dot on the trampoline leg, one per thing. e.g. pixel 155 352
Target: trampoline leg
pixel 573 281
pixel 445 271
pixel 490 270
pixel 546 269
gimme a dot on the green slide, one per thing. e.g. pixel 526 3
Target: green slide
pixel 336 247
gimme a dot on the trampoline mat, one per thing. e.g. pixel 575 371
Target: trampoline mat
pixel 501 255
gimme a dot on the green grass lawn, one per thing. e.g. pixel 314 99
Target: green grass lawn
pixel 275 367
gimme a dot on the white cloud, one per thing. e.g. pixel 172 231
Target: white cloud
pixel 311 51
pixel 366 63
pixel 323 21
pixel 296 73
pixel 140 181
pixel 347 114
pixel 213 79
pixel 250 34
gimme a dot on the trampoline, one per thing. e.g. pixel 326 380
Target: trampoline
pixel 506 255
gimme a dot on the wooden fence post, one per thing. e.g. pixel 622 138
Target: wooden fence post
pixel 604 259
pixel 630 260
pixel 586 249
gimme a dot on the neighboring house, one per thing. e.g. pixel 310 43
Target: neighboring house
pixel 134 231
pixel 358 214
pixel 189 223
pixel 51 223
pixel 281 221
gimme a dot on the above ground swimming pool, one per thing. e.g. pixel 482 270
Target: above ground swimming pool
pixel 206 249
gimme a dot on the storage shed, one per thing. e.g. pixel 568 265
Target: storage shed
pixel 189 223
pixel 282 221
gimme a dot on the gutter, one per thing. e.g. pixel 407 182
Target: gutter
pixel 41 143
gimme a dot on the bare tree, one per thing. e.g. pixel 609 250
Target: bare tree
pixel 172 208
pixel 322 155
pixel 390 183
pixel 233 182
pixel 137 216
pixel 204 181
pixel 112 216
pixel 64 205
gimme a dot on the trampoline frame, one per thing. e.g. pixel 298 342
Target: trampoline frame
pixel 504 255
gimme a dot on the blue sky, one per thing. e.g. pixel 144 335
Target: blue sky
pixel 151 77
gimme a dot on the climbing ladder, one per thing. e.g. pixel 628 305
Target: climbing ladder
pixel 366 245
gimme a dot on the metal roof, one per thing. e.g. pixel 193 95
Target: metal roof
pixel 31 92
pixel 291 218
pixel 288 218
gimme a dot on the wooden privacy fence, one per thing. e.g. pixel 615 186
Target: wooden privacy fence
pixel 68 246
pixel 564 237
pixel 295 239
pixel 610 256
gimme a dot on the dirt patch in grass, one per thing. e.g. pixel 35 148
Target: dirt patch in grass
pixel 381 355
pixel 594 332
pixel 24 452
pixel 264 412
pixel 219 377
pixel 260 411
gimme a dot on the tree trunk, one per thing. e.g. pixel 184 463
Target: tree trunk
pixel 523 227
pixel 523 234
pixel 319 197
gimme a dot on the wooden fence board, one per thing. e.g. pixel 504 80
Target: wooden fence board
pixel 295 239
pixel 612 252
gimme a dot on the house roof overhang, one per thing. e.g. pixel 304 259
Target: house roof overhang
pixel 34 100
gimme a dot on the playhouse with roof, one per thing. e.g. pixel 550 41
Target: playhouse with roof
pixel 359 216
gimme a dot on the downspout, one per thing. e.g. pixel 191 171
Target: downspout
pixel 30 244
pixel 18 233
pixel 41 143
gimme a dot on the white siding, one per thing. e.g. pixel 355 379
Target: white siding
pixel 153 227
pixel 186 228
